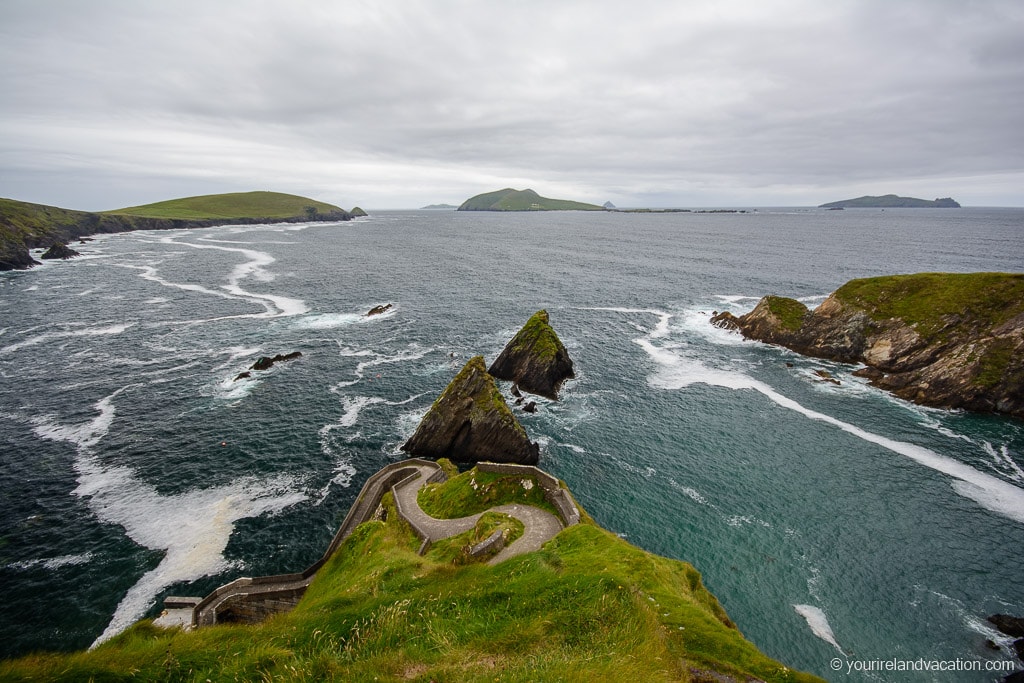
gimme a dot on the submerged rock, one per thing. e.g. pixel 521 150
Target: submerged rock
pixel 265 362
pixel 470 422
pixel 60 251
pixel 535 359
pixel 1011 626
pixel 377 310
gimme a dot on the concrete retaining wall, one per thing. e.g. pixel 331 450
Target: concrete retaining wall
pixel 553 491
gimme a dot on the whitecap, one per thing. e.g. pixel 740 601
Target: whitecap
pixel 818 622
pixel 53 563
pixel 192 528
pixel 327 321
pixel 50 336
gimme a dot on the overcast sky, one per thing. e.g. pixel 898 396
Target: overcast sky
pixel 403 103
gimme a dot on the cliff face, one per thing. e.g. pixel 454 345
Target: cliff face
pixel 938 339
pixel 470 422
pixel 535 359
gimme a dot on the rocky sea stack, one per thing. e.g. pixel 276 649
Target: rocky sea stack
pixel 470 422
pixel 948 340
pixel 535 359
pixel 60 251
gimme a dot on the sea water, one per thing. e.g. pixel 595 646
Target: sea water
pixel 830 521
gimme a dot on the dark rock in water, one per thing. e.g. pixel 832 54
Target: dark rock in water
pixel 243 375
pixel 725 320
pixel 826 376
pixel 265 362
pixel 530 407
pixel 60 251
pixel 869 372
pixel 992 645
pixel 535 359
pixel 519 401
pixel 470 422
pixel 788 364
pixel 377 310
pixel 1011 626
pixel 1015 677
pixel 1018 647
pixel 516 392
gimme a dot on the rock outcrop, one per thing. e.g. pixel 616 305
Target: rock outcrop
pixel 265 362
pixel 535 359
pixel 470 422
pixel 377 310
pixel 60 251
pixel 949 340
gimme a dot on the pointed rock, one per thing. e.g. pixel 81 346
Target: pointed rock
pixel 60 251
pixel 470 422
pixel 535 359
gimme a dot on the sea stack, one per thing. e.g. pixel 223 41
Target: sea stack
pixel 470 422
pixel 535 359
pixel 60 251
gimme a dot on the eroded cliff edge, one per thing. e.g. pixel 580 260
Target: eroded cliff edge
pixel 948 340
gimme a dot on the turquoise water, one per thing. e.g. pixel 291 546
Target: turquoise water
pixel 802 503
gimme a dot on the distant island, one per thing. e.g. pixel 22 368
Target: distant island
pixel 25 226
pixel 522 200
pixel 888 201
pixel 439 206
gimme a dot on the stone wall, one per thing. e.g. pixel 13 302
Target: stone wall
pixel 553 491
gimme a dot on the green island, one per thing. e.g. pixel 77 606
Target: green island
pixel 892 201
pixel 522 200
pixel 586 606
pixel 25 226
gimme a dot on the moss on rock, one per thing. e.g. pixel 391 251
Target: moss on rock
pixel 535 358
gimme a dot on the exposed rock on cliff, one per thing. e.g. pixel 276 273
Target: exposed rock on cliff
pixel 470 422
pixel 951 340
pixel 535 359
pixel 60 251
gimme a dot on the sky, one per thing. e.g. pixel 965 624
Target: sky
pixel 403 103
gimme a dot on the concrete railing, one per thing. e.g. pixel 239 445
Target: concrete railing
pixel 553 491
pixel 204 613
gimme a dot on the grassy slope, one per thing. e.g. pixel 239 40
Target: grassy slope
pixel 587 607
pixel 790 312
pixel 930 300
pixel 522 200
pixel 231 205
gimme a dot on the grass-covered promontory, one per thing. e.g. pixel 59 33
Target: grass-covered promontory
pixel 887 201
pixel 522 200
pixel 232 205
pixel 588 606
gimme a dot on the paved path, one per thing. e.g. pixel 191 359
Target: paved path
pixel 539 526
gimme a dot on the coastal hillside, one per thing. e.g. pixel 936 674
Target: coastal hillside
pixel 25 226
pixel 586 606
pixel 950 340
pixel 888 201
pixel 522 200
pixel 232 205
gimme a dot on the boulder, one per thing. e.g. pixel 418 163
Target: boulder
pixel 377 310
pixel 470 422
pixel 726 321
pixel 60 251
pixel 265 362
pixel 535 359
pixel 530 407
pixel 243 375
pixel 1011 626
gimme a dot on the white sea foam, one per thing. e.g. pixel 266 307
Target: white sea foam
pixel 51 336
pixel 53 563
pixel 192 528
pixel 818 622
pixel 677 371
pixel 412 352
pixel 328 321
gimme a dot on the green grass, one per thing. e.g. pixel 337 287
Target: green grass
pixel 228 206
pixel 995 362
pixel 537 338
pixel 522 200
pixel 932 301
pixel 475 491
pixel 790 312
pixel 586 607
pixel 455 550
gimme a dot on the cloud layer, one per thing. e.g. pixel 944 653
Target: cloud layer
pixel 112 103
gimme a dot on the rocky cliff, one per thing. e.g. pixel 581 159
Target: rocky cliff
pixel 950 340
pixel 470 422
pixel 535 359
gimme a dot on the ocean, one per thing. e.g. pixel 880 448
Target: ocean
pixel 831 521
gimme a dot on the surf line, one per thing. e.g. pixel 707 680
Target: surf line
pixel 677 371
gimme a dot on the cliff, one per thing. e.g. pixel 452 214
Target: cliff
pixel 470 422
pixel 949 340
pixel 892 201
pixel 586 605
pixel 535 359
pixel 25 226
pixel 522 200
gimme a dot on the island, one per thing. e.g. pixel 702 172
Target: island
pixel 946 340
pixel 25 226
pixel 432 207
pixel 891 201
pixel 522 200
